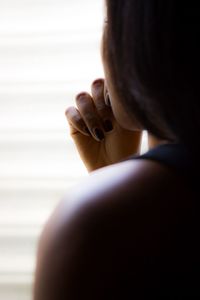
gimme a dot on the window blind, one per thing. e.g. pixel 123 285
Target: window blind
pixel 49 51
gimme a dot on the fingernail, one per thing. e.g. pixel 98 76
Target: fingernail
pixel 87 130
pixel 99 134
pixel 107 125
pixel 107 100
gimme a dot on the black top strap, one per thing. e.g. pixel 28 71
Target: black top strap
pixel 175 156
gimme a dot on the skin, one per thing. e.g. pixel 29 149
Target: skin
pixel 108 218
pixel 117 142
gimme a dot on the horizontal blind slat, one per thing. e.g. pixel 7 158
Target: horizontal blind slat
pixel 49 51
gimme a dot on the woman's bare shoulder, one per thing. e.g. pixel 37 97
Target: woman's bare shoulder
pixel 135 177
pixel 114 206
pixel 114 187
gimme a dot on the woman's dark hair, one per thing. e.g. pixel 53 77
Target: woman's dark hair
pixel 152 50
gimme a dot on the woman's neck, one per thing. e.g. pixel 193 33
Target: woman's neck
pixel 154 141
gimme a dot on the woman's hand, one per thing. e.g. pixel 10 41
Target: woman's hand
pixel 100 140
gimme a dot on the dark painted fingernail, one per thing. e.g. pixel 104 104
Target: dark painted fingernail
pixel 99 134
pixel 107 100
pixel 87 130
pixel 107 125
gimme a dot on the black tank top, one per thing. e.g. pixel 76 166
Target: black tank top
pixel 178 158
pixel 173 155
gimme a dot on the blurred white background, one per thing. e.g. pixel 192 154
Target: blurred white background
pixel 49 51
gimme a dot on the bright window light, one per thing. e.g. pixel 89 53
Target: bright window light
pixel 49 51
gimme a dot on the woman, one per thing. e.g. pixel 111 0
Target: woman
pixel 130 230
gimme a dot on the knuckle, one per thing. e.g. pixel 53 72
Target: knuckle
pixel 84 102
pixel 92 121
pixel 97 87
pixel 69 110
pixel 77 119
pixel 103 111
pixel 89 117
pixel 101 108
pixel 98 82
pixel 82 97
pixel 73 115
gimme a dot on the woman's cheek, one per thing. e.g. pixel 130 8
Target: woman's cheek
pixel 122 117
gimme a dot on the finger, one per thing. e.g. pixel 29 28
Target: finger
pixel 90 116
pixel 104 111
pixel 75 121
